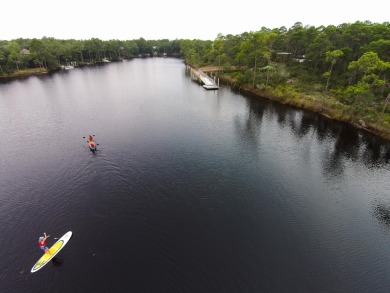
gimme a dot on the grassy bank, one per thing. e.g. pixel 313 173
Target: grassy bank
pixel 24 72
pixel 330 107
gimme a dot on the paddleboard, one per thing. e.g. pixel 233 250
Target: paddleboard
pixel 53 252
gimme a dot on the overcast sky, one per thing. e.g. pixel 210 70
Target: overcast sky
pixel 174 19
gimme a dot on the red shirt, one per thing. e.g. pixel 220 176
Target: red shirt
pixel 42 243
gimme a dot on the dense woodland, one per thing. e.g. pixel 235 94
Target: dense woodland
pixel 50 53
pixel 342 71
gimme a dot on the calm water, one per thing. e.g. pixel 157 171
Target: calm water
pixel 190 190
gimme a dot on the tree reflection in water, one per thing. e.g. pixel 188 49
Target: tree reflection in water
pixel 339 142
pixel 381 212
pixel 248 129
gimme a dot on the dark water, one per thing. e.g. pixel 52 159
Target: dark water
pixel 190 190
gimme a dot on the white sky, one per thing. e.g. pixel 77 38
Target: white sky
pixel 174 19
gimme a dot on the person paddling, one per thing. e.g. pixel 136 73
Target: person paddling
pixel 42 243
pixel 91 143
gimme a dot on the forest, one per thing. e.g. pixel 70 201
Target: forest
pixel 339 71
pixel 51 53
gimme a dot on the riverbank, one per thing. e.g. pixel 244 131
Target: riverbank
pixel 311 102
pixel 25 72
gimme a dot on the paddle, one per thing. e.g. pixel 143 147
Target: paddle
pixel 92 135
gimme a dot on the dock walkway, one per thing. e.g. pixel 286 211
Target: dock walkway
pixel 207 82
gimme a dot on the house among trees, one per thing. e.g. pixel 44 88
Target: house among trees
pixel 283 56
pixel 25 52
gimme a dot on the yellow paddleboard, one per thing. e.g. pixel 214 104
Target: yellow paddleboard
pixel 53 251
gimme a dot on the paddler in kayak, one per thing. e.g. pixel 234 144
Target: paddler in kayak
pixel 42 243
pixel 91 143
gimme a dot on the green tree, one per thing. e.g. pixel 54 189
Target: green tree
pixel 381 47
pixel 357 94
pixel 14 53
pixel 37 47
pixel 98 46
pixel 367 67
pixel 317 49
pixel 253 49
pixel 2 58
pixel 331 56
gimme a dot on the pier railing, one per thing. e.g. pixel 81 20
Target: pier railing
pixel 204 79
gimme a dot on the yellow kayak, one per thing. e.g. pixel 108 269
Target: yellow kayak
pixel 53 252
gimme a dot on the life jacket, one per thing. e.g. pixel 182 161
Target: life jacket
pixel 42 243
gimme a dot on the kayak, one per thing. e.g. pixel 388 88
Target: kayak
pixel 53 252
pixel 92 145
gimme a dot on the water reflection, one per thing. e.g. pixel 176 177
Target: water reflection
pixel 281 113
pixel 41 77
pixel 375 152
pixel 57 262
pixel 337 142
pixel 332 165
pixel 306 123
pixel 177 166
pixel 248 128
pixel 381 212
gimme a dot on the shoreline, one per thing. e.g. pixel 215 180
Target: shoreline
pixel 305 104
pixel 24 73
pixel 309 105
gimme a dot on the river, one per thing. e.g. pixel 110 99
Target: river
pixel 189 191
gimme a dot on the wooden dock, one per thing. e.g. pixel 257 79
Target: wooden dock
pixel 207 82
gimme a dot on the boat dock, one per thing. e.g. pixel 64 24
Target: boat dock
pixel 207 82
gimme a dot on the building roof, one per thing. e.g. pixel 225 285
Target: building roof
pixel 25 52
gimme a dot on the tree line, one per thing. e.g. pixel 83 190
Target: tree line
pixel 50 53
pixel 343 69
